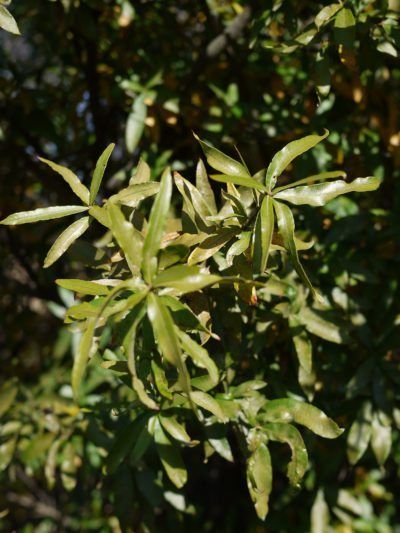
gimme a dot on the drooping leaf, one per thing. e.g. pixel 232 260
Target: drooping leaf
pixel 7 21
pixel 86 346
pixel 289 410
pixel 284 157
pixel 165 335
pixel 185 279
pixel 291 436
pixel 156 226
pixel 84 287
pixel 222 162
pixel 43 213
pixel 129 239
pixel 322 193
pixel 170 456
pixel 99 172
pixel 259 479
pixel 263 231
pixel 72 179
pixel 286 229
pixel 65 239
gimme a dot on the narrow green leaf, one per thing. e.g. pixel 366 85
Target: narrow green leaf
pixel 263 231
pixel 160 380
pixel 239 180
pixel 99 172
pixel 170 457
pixel 204 187
pixel 142 173
pixel 322 193
pixel 381 439
pixel 135 123
pixel 7 450
pixel 286 228
pixel 185 279
pixel 7 21
pixel 207 402
pixel 210 245
pixel 322 176
pixel 72 179
pixel 135 193
pixel 199 355
pixel 8 393
pixel 101 215
pixel 43 213
pixel 125 442
pixel 259 479
pixel 238 247
pixel 359 434
pixel 291 436
pixel 284 157
pixel 326 14
pixel 302 344
pixel 128 238
pixel 156 226
pixel 222 162
pixel 316 323
pixel 320 514
pixel 289 410
pixel 86 347
pixel 84 287
pixel 164 333
pixel 65 239
pixel 175 429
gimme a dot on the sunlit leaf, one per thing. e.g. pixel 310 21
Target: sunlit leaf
pixel 322 193
pixel 156 226
pixel 135 193
pixel 65 239
pixel 222 162
pixel 263 231
pixel 72 179
pixel 291 436
pixel 359 434
pixel 170 456
pixel 83 287
pixel 284 157
pixel 204 187
pixel 43 213
pixel 199 355
pixel 289 410
pixel 207 402
pixel 7 21
pixel 259 479
pixel 99 172
pixel 129 239
pixel 381 439
pixel 185 279
pixel 86 347
pixel 239 180
pixel 135 123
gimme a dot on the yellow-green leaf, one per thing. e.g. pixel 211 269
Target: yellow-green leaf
pixel 99 172
pixel 65 239
pixel 245 181
pixel 128 238
pixel 43 213
pixel 207 402
pixel 72 179
pixel 185 279
pixel 222 162
pixel 85 348
pixel 155 228
pixel 83 287
pixel 170 456
pixel 7 21
pixel 284 157
pixel 263 231
pixel 259 479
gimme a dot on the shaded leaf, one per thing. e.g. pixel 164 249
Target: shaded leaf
pixel 259 479
pixel 86 347
pixel 170 456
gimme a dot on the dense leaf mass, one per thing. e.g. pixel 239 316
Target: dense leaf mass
pixel 214 342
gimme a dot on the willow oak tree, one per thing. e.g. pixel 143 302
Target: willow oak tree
pixel 147 314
